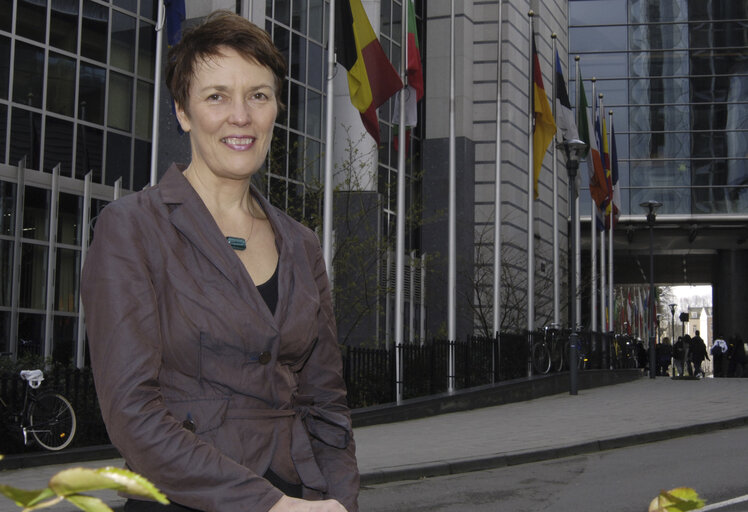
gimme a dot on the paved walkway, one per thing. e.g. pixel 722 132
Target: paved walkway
pixel 555 426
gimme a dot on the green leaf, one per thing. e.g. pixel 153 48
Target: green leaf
pixel 78 480
pixel 680 499
pixel 88 503
pixel 24 498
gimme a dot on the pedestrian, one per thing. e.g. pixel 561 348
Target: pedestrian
pixel 678 353
pixel 719 355
pixel 664 353
pixel 698 354
pixel 209 313
pixel 735 356
pixel 687 363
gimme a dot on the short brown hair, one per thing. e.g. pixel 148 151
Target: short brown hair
pixel 221 29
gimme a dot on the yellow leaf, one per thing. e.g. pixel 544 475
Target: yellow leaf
pixel 77 480
pixel 88 503
pixel 680 499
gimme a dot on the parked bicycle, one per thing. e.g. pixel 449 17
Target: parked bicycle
pixel 549 352
pixel 624 352
pixel 46 416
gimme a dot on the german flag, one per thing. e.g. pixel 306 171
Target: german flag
pixel 371 78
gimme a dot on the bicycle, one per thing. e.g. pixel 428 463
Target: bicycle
pixel 46 416
pixel 548 353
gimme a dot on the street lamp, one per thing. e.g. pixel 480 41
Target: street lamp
pixel 651 207
pixel 573 149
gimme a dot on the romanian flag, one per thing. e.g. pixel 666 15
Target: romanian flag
pixel 371 78
pixel 598 190
pixel 544 127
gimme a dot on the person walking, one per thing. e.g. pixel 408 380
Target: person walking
pixel 678 352
pixel 719 353
pixel 698 354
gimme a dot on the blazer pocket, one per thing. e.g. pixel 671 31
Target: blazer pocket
pixel 199 415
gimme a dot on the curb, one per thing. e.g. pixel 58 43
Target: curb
pixel 445 468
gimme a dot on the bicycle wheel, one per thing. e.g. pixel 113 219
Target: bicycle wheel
pixel 557 356
pixel 541 358
pixel 52 421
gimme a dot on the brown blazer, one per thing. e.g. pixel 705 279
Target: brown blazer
pixel 202 389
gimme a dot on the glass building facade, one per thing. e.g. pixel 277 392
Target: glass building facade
pixel 675 75
pixel 76 114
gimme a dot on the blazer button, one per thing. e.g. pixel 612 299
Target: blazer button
pixel 264 357
pixel 189 425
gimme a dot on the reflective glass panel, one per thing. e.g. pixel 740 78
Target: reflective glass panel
pixel 658 37
pixel 283 11
pixel 63 28
pixel 36 213
pixel 295 156
pixel 148 9
pixel 58 145
pixel 67 279
pixel 146 51
pixel 64 338
pixel 91 93
pixel 88 156
pixel 316 66
pixel 61 84
pixel 28 75
pixel 314 114
pixel 6 14
pixel 6 272
pixel 25 135
pixel 123 41
pixel 596 12
pixel 144 110
pixel 5 347
pixel 7 208
pixel 69 219
pixel 30 334
pixel 657 10
pixel 95 31
pixel 298 59
pixel 313 161
pixel 31 20
pixel 4 67
pixel 33 292
pixel 299 16
pixel 596 39
pixel 130 5
pixel 3 130
pixel 296 107
pixel 317 20
pixel 120 101
pixel 117 159
pixel 141 166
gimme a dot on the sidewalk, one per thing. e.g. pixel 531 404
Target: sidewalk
pixel 555 426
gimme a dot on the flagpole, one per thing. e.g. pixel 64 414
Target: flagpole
pixel 603 284
pixel 400 217
pixel 577 222
pixel 610 234
pixel 556 279
pixel 497 191
pixel 329 134
pixel 157 91
pixel 452 272
pixel 593 234
pixel 530 199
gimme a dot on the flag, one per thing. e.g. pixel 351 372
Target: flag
pixel 615 202
pixel 175 15
pixel 414 71
pixel 543 126
pixel 371 78
pixel 565 124
pixel 594 163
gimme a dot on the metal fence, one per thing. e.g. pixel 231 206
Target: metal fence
pixel 369 375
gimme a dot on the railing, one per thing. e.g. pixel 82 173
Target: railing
pixel 369 375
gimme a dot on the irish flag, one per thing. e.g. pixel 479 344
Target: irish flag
pixel 371 78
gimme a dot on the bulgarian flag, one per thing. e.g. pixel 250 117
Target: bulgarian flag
pixel 371 78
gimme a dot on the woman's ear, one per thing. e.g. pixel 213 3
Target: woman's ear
pixel 182 117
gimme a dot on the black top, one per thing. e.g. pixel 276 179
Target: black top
pixel 269 291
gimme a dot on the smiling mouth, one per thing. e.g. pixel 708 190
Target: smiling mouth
pixel 238 141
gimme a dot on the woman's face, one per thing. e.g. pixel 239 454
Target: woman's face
pixel 232 108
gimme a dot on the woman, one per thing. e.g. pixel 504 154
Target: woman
pixel 209 315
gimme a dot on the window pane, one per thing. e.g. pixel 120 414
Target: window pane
pixel 67 279
pixel 141 166
pixel 95 31
pixel 597 39
pixel 31 20
pixel 4 67
pixel 123 41
pixel 69 219
pixel 63 29
pixel 298 59
pixel 30 334
pixel 146 51
pixel 88 156
pixel 655 10
pixel 6 272
pixel 314 114
pixel 316 66
pixel 313 163
pixel 91 94
pixel 596 12
pixel 6 14
pixel 58 145
pixel 7 208
pixel 144 110
pixel 64 336
pixel 281 38
pixel 317 19
pixel 33 292
pixel 36 214
pixel 118 159
pixel 299 16
pixel 283 11
pixel 28 75
pixel 120 101
pixel 148 9
pixel 3 130
pixel 295 156
pixel 5 332
pixel 130 5
pixel 25 127
pixel 296 107
pixel 61 84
